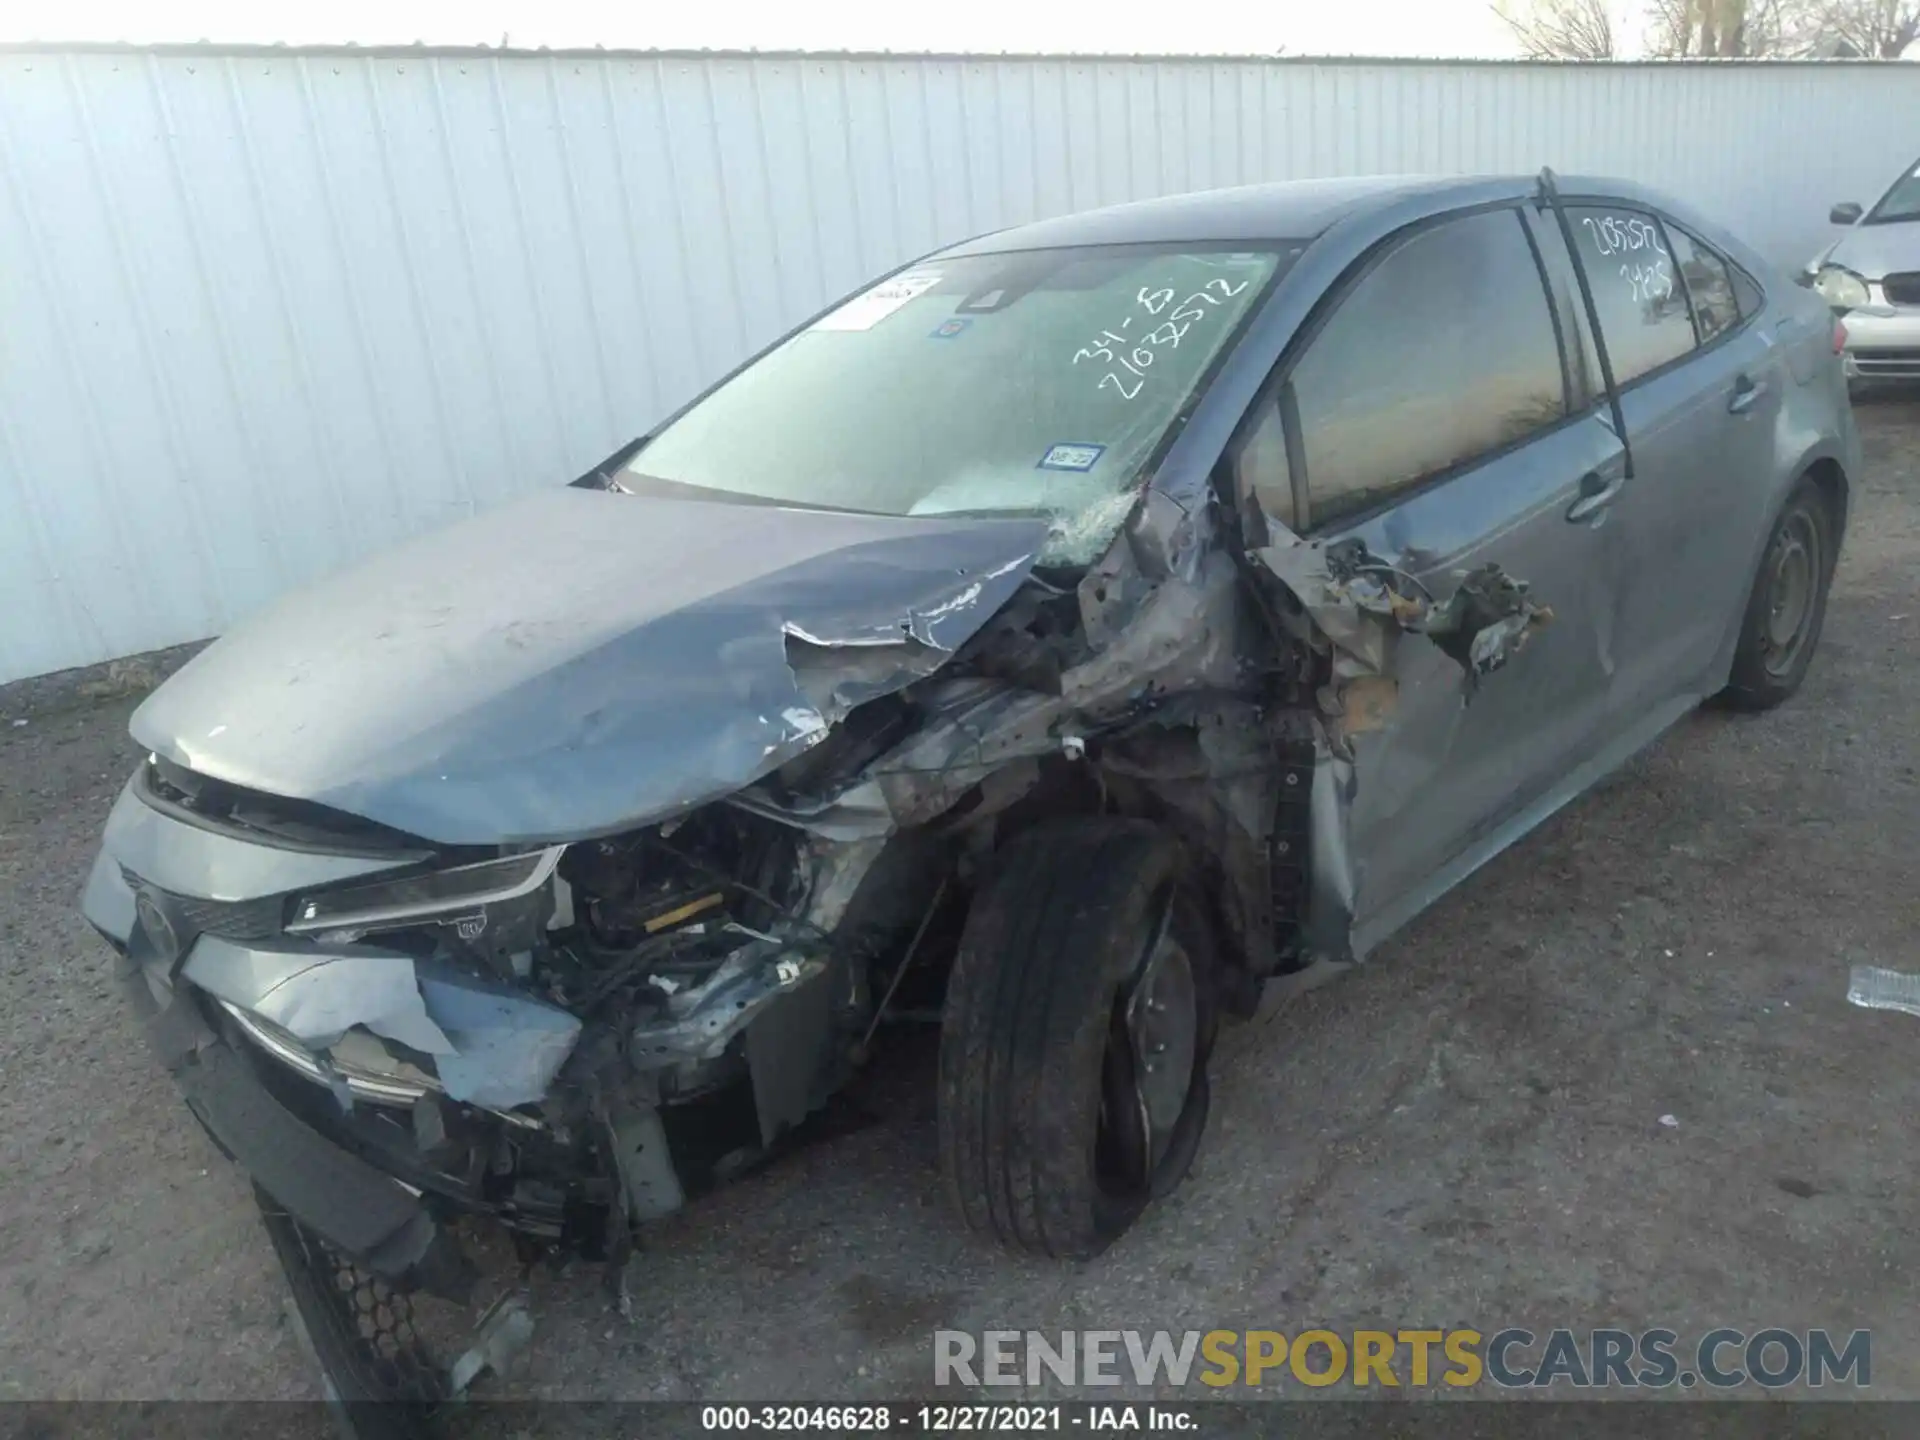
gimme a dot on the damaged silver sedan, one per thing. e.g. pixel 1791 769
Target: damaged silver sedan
pixel 1062 639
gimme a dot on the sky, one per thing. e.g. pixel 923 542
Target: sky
pixel 1300 27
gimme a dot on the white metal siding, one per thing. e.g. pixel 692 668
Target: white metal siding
pixel 262 312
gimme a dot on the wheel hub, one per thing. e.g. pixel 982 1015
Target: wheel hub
pixel 1790 593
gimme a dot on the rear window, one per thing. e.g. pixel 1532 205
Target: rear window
pixel 1716 309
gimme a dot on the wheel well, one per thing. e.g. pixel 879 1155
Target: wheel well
pixel 1832 482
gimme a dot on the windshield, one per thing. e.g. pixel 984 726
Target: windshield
pixel 1902 202
pixel 1036 383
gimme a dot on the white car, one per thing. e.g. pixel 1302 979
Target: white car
pixel 1871 278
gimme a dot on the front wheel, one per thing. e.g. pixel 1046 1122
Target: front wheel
pixel 1788 603
pixel 1079 1019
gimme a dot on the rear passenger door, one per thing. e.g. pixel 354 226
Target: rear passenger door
pixel 1434 413
pixel 1700 389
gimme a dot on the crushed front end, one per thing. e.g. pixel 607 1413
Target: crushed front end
pixel 388 1035
pixel 566 1038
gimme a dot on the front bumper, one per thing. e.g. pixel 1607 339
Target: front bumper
pixel 364 1213
pixel 1883 342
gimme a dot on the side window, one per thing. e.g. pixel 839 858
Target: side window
pixel 1747 289
pixel 1583 361
pixel 1643 309
pixel 1441 352
pixel 1260 467
pixel 1709 286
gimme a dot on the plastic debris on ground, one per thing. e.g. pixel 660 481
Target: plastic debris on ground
pixel 1872 988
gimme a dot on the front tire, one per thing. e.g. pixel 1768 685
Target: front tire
pixel 1788 603
pixel 1079 1018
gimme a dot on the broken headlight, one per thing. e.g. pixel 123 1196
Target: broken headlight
pixel 445 895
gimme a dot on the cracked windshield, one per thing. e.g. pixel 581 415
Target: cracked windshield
pixel 1038 383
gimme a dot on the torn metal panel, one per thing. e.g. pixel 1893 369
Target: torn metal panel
pixel 490 1046
pixel 506 1048
pixel 627 657
pixel 1486 621
pixel 1360 604
pixel 837 873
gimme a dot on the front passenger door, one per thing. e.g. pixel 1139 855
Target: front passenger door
pixel 1436 419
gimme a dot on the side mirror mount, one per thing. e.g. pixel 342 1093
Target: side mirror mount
pixel 1848 213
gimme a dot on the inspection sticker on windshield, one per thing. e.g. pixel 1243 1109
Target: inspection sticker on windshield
pixel 948 329
pixel 1071 457
pixel 863 312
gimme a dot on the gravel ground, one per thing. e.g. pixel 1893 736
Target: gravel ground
pixel 1465 1131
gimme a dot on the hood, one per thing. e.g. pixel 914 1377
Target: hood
pixel 1873 251
pixel 580 661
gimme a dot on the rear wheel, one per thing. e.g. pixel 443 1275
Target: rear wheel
pixel 1078 1023
pixel 1788 604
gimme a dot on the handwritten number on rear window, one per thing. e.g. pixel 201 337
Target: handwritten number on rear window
pixel 1133 354
pixel 1649 282
pixel 1613 235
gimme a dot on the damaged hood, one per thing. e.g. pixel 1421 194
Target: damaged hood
pixel 581 661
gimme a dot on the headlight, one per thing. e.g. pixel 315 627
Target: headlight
pixel 1840 288
pixel 385 904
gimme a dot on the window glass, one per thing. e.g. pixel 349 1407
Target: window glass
pixel 1900 203
pixel 1643 309
pixel 1260 469
pixel 1709 286
pixel 1443 351
pixel 1031 383
pixel 1749 292
pixel 1583 361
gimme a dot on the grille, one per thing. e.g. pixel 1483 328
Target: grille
pixel 228 919
pixel 233 920
pixel 1898 363
pixel 1902 289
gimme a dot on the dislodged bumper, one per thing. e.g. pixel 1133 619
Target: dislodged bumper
pixel 365 1214
pixel 491 1046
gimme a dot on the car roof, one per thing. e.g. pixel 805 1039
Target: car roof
pixel 1279 210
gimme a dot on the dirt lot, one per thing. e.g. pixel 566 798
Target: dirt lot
pixel 1467 1131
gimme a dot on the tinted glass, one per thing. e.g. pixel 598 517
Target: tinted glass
pixel 1260 468
pixel 1443 351
pixel 1709 286
pixel 1749 293
pixel 1583 361
pixel 1643 309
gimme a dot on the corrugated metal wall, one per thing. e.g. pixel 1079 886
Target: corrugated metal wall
pixel 262 311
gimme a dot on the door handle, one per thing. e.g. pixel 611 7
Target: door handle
pixel 1746 394
pixel 1596 493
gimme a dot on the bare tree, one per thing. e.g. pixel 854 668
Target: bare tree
pixel 1868 29
pixel 1679 29
pixel 1560 29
